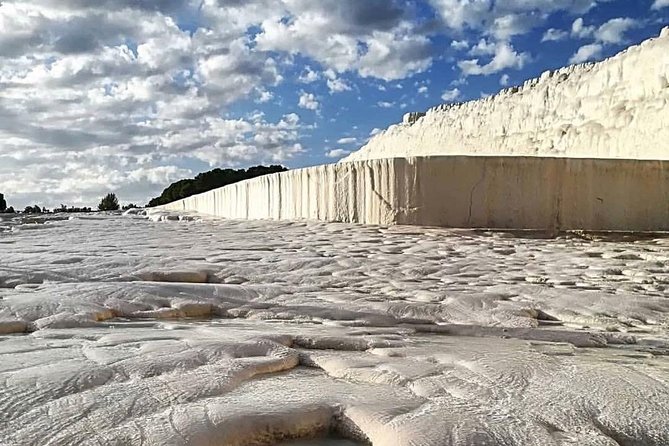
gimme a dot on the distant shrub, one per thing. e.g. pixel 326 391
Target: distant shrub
pixel 109 203
pixel 32 210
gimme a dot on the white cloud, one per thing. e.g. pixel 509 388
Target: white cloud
pixel 611 32
pixel 371 37
pixel 348 140
pixel 483 48
pixel 334 83
pixel 504 57
pixel 460 45
pixel 451 95
pixel 264 96
pixel 586 53
pixel 308 101
pixel 385 104
pixel 337 153
pixel 659 4
pixel 553 35
pixel 308 76
pixel 423 90
pixel 578 29
pixel 614 30
pixel 504 80
pixel 504 19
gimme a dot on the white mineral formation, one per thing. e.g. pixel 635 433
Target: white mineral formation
pixel 548 155
pixel 456 191
pixel 618 108
pixel 219 332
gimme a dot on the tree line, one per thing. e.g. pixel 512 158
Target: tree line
pixel 176 191
pixel 108 203
pixel 211 180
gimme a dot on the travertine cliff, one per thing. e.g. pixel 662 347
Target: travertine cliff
pixel 526 158
pixel 618 108
pixel 456 191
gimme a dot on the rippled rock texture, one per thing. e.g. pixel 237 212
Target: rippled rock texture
pixel 122 330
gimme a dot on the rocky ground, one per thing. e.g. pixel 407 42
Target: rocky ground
pixel 129 330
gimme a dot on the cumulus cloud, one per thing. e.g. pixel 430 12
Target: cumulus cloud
pixel 553 35
pixel 451 95
pixel 503 19
pixel 372 37
pixel 659 4
pixel 499 22
pixel 505 56
pixel 460 45
pixel 586 53
pixel 578 29
pixel 334 83
pixel 348 140
pixel 614 30
pixel 308 76
pixel 609 33
pixel 308 101
pixel 337 153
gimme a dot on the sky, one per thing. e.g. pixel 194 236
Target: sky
pixel 127 96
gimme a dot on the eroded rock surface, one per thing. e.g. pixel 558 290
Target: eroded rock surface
pixel 612 109
pixel 123 330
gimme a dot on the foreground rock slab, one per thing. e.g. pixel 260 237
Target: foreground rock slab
pixel 189 331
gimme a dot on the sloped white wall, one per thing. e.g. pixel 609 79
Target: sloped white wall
pixel 618 108
pixel 457 191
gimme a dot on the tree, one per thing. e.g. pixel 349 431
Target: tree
pixel 3 203
pixel 211 180
pixel 109 203
pixel 32 210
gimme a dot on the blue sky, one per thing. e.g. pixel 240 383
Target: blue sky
pixel 128 96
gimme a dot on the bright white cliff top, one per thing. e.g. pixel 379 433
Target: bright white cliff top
pixel 616 108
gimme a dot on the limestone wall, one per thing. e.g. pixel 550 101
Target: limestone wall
pixel 457 191
pixel 618 108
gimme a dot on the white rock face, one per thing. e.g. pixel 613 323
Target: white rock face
pixel 618 108
pixel 221 332
pixel 456 191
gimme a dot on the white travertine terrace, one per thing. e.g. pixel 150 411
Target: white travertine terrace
pixel 175 329
pixel 456 191
pixel 584 147
pixel 223 332
pixel 618 108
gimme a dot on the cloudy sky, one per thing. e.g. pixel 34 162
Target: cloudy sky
pixel 130 95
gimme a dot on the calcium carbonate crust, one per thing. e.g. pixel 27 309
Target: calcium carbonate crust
pixel 193 331
pixel 617 108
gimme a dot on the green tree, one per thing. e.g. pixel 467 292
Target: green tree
pixel 3 203
pixel 211 180
pixel 109 203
